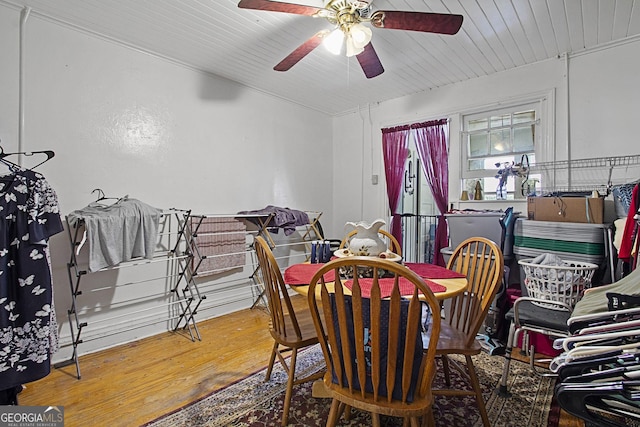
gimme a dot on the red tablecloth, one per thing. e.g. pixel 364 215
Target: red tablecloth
pixel 301 274
pixel 431 271
pixel 386 286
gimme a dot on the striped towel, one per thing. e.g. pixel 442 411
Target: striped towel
pixel 219 244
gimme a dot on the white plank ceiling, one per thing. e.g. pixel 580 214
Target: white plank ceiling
pixel 243 45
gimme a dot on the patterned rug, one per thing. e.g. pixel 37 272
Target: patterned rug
pixel 253 402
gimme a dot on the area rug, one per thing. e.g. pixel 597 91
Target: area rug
pixel 251 402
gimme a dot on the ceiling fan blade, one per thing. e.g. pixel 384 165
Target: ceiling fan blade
pixel 276 6
pixel 303 50
pixel 427 22
pixel 370 62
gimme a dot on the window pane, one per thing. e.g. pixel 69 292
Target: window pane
pixel 476 165
pixel 501 142
pixel 524 117
pixel 478 124
pixel 478 145
pixel 499 121
pixel 523 138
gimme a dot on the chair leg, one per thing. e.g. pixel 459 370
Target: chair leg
pixel 287 396
pixel 502 388
pixel 347 412
pixel 445 369
pixel 429 420
pixel 476 387
pixel 272 360
pixel 376 419
pixel 334 413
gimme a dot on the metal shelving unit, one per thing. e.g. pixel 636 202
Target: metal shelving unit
pixel 586 175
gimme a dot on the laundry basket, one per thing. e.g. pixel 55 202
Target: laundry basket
pixel 560 283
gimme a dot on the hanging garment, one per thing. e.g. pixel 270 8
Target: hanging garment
pixel 630 228
pixel 285 218
pixel 118 232
pixel 29 215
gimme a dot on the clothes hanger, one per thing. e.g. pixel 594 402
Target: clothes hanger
pixel 610 327
pixel 102 196
pixel 610 359
pixel 12 166
pixel 50 154
pixel 609 338
pixel 580 353
pixel 612 368
pixel 601 403
pixel 591 353
pixel 617 373
pixel 576 323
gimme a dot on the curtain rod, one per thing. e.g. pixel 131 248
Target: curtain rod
pixel 416 125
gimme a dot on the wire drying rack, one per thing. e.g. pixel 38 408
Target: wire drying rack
pixel 586 175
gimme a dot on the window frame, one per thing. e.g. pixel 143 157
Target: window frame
pixel 484 173
pixel 544 144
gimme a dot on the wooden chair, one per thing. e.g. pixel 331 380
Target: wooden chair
pixel 291 330
pixel 482 262
pixel 379 342
pixel 394 245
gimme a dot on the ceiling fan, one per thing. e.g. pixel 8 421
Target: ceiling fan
pixel 347 17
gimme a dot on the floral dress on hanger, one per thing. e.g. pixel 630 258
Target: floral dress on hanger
pixel 29 215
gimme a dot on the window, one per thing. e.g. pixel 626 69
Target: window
pixel 496 140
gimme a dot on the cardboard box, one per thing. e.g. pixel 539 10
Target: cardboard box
pixel 566 209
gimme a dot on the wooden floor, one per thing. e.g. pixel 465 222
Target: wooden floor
pixel 138 382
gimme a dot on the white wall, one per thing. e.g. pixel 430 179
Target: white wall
pixel 131 123
pixel 605 101
pixel 604 98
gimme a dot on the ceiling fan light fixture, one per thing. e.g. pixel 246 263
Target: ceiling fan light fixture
pixel 360 35
pixel 334 41
pixel 352 48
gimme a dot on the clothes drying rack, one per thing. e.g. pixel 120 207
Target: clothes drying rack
pixel 307 234
pixel 180 303
pixel 196 229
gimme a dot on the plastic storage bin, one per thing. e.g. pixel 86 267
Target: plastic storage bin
pixel 479 224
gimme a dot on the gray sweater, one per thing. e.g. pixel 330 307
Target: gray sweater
pixel 118 232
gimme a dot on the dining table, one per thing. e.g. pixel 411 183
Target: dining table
pixel 444 283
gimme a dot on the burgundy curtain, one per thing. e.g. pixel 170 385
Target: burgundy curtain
pixel 395 148
pixel 433 150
